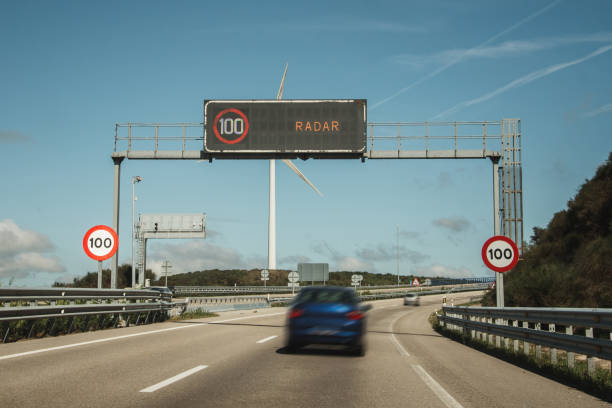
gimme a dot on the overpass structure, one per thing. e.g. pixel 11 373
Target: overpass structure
pixel 498 141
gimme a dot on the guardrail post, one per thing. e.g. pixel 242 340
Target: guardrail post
pixel 490 340
pixel 526 345
pixel 553 351
pixel 516 342
pixel 442 323
pixel 569 330
pixel 473 331
pixel 497 336
pixel 6 331
pixel 538 348
pixel 590 359
pixel 506 339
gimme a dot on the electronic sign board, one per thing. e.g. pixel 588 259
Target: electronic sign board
pixel 285 128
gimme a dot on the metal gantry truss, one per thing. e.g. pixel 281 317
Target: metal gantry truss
pixel 511 174
pixel 495 140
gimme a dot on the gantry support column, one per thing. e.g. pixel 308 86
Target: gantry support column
pixel 115 259
pixel 499 278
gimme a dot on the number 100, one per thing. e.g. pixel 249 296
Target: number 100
pixel 498 254
pixel 97 243
pixel 229 126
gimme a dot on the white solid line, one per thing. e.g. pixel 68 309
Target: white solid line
pixel 92 342
pixel 174 379
pixel 248 317
pixel 266 339
pixel 437 389
pixel 26 353
pixel 398 345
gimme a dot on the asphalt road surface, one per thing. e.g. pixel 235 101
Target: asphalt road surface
pixel 238 360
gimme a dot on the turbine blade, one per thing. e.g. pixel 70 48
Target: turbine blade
pixel 302 176
pixel 282 85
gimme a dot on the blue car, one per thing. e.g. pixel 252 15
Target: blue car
pixel 327 315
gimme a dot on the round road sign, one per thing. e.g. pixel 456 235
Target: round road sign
pixel 500 253
pixel 231 126
pixel 293 277
pixel 100 242
pixel 265 273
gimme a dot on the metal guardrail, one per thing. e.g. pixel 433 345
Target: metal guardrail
pixel 394 295
pixel 32 304
pixel 555 328
pixel 196 290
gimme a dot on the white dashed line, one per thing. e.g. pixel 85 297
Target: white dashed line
pixel 397 344
pixel 437 389
pixel 67 346
pixel 174 379
pixel 266 339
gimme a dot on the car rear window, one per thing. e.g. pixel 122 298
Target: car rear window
pixel 326 296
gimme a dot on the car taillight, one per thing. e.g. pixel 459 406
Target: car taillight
pixel 354 315
pixel 295 313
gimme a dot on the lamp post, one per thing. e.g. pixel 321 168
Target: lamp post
pixel 135 179
pixel 397 256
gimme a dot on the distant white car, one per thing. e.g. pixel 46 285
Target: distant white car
pixel 412 299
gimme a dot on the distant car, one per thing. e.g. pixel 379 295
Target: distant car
pixel 161 289
pixel 412 299
pixel 327 315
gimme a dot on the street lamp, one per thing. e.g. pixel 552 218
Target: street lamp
pixel 135 179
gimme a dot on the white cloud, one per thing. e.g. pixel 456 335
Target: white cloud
pixel 339 24
pixel 387 253
pixel 12 136
pixel 454 224
pixel 198 255
pixel 436 270
pixel 503 50
pixel 524 80
pixel 291 261
pixel 602 109
pixel 449 64
pixel 340 262
pixel 20 252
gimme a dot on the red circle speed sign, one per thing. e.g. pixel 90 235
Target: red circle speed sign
pixel 232 129
pixel 100 242
pixel 500 253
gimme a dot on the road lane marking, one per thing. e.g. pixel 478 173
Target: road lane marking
pixel 398 345
pixel 247 317
pixel 92 342
pixel 437 389
pixel 85 343
pixel 174 379
pixel 266 339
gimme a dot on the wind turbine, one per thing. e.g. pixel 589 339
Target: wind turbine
pixel 272 208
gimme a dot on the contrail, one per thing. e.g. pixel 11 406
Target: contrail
pixel 524 80
pixel 460 57
pixel 603 109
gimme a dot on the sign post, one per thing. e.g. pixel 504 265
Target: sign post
pixel 100 243
pixel 500 254
pixel 356 280
pixel 265 275
pixel 294 277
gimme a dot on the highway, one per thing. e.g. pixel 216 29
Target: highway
pixel 237 359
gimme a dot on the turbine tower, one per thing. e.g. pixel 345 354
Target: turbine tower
pixel 272 208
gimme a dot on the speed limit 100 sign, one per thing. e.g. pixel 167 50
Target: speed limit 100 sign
pixel 100 242
pixel 500 253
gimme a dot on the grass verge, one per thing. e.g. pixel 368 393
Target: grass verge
pixel 599 384
pixel 194 314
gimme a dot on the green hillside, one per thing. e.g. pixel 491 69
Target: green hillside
pixel 569 263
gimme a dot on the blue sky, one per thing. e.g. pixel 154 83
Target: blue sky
pixel 71 70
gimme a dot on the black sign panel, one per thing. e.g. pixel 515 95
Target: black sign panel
pixel 285 128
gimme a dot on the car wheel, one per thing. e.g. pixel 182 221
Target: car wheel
pixel 358 350
pixel 292 346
